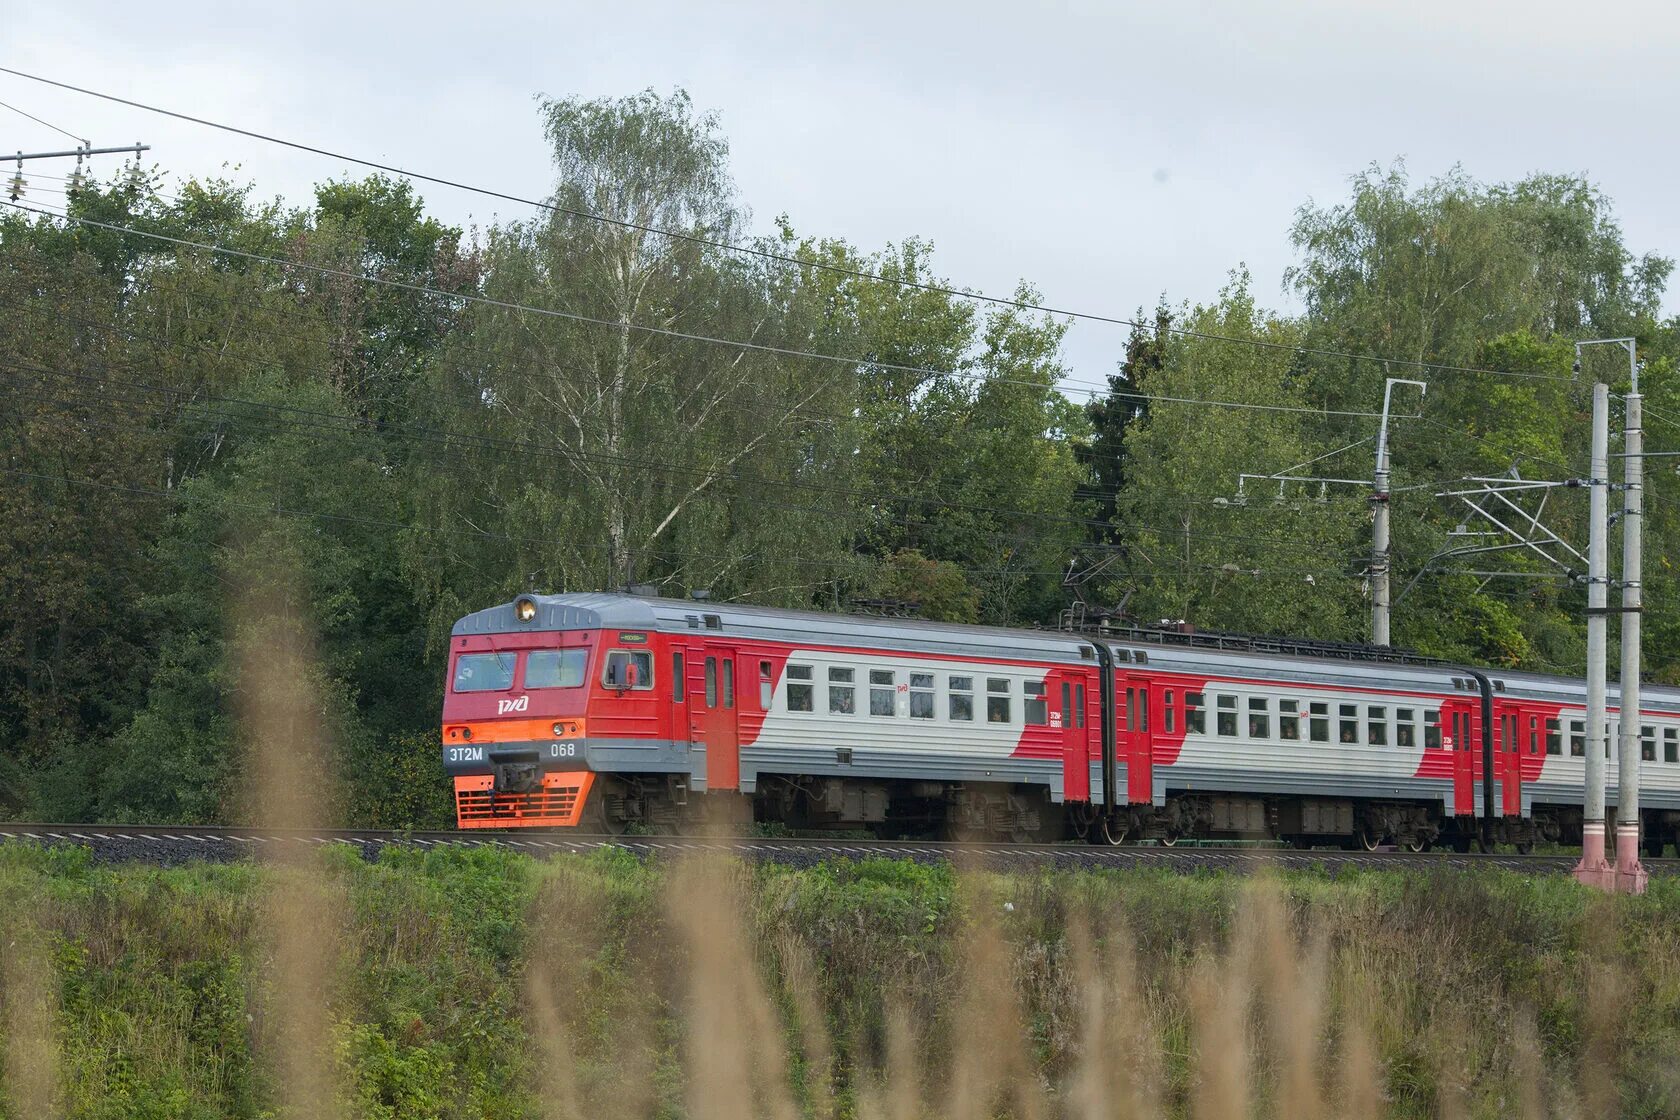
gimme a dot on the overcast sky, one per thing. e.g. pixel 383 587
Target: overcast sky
pixel 1108 152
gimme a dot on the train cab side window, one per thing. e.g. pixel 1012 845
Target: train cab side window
pixel 1648 744
pixel 997 700
pixel 617 672
pixel 1079 705
pixel 1318 720
pixel 1405 733
pixel 1259 718
pixel 842 696
pixel 1431 730
pixel 766 686
pixel 1554 737
pixel 484 672
pixel 961 698
pixel 1227 709
pixel 1377 725
pixel 711 682
pixel 1349 729
pixel 883 692
pixel 728 682
pixel 1067 704
pixel 679 683
pixel 1671 745
pixel 1195 717
pixel 1577 738
pixel 801 691
pixel 921 695
pixel 1169 712
pixel 1035 709
pixel 1289 719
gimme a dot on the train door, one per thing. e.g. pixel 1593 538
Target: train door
pixel 1461 727
pixel 1523 737
pixel 1134 738
pixel 1076 756
pixel 713 713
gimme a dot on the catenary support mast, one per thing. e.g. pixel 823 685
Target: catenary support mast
pixel 1593 869
pixel 1630 873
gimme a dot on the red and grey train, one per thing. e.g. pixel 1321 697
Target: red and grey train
pixel 606 710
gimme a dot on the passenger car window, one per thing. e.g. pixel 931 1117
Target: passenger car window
pixel 883 689
pixel 484 672
pixel 1377 726
pixel 1289 719
pixel 1259 721
pixel 1195 719
pixel 842 696
pixel 997 700
pixel 1349 729
pixel 1671 745
pixel 1554 737
pixel 1034 707
pixel 1227 709
pixel 921 695
pixel 556 668
pixel 1318 720
pixel 961 699
pixel 800 691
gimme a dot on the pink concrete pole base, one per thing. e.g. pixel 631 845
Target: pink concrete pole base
pixel 1631 877
pixel 1594 870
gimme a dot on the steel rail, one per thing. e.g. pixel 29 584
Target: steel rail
pixel 183 843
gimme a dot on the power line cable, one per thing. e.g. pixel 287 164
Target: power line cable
pixel 781 351
pixel 49 124
pixel 784 258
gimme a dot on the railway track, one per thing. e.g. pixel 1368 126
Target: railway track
pixel 174 845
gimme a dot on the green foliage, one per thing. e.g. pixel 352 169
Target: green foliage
pixel 162 996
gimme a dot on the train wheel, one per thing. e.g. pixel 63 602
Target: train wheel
pixel 1415 844
pixel 1369 838
pixel 1169 839
pixel 1113 832
pixel 596 816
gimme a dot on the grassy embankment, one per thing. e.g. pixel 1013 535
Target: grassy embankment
pixel 486 984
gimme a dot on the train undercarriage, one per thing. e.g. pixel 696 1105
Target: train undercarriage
pixel 993 813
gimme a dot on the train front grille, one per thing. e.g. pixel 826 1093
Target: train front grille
pixel 557 803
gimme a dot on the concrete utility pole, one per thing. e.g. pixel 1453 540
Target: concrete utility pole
pixel 1380 592
pixel 1593 870
pixel 1630 873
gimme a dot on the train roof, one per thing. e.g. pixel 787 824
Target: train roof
pixel 1327 663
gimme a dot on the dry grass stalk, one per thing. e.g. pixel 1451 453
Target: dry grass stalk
pixel 990 1068
pixel 280 716
pixel 1117 1074
pixel 28 1001
pixel 737 1051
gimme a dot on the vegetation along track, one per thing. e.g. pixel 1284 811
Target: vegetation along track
pixel 170 845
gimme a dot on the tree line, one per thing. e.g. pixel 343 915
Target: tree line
pixel 199 388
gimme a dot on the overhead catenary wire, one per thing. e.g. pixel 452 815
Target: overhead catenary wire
pixel 854 361
pixel 62 132
pixel 784 258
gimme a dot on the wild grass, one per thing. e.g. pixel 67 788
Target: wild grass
pixel 486 984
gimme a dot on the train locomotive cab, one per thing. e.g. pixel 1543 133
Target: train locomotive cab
pixel 532 685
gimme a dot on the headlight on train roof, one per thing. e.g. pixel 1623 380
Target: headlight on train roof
pixel 525 608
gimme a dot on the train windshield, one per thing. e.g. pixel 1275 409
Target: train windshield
pixel 484 672
pixel 555 668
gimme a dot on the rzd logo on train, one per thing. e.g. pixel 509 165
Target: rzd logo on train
pixel 503 707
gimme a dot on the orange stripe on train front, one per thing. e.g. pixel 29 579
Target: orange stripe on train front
pixel 511 731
